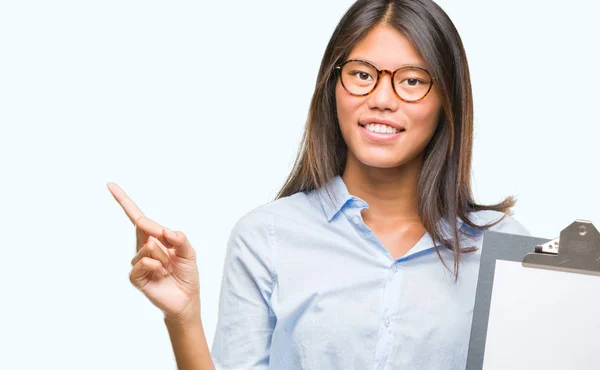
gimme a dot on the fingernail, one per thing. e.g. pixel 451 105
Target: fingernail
pixel 170 267
pixel 165 272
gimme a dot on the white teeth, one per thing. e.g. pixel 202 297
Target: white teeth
pixel 381 129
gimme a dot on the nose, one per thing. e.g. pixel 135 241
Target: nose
pixel 383 97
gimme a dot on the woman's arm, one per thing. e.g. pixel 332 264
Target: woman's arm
pixel 189 341
pixel 246 321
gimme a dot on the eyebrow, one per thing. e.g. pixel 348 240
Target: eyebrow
pixel 403 65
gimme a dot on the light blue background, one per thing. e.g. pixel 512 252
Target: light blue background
pixel 190 105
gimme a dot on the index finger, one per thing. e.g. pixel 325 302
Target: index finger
pixel 131 209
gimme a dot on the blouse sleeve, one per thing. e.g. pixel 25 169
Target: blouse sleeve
pixel 245 320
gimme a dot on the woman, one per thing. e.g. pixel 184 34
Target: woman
pixel 368 259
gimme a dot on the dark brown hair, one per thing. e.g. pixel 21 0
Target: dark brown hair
pixel 444 189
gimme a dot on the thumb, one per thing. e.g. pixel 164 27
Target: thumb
pixel 178 240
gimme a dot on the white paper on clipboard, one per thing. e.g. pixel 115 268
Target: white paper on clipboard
pixel 542 319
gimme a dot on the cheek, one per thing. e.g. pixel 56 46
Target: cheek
pixel 424 116
pixel 347 107
pixel 426 120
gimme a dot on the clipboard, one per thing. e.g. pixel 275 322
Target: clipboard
pixel 576 250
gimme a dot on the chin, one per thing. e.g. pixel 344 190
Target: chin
pixel 381 161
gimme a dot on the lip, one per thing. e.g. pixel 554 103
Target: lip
pixel 377 137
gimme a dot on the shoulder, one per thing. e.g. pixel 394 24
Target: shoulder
pixel 504 223
pixel 261 220
pixel 256 235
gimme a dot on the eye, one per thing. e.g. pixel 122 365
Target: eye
pixel 363 76
pixel 413 81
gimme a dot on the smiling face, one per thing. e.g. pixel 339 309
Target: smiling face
pixel 380 129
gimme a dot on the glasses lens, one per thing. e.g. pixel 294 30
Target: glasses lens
pixel 358 78
pixel 412 83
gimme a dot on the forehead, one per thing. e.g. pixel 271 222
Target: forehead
pixel 386 48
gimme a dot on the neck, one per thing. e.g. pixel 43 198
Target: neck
pixel 392 193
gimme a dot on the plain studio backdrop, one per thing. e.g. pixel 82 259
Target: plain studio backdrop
pixel 196 109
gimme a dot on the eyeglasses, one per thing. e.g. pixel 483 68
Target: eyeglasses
pixel 360 78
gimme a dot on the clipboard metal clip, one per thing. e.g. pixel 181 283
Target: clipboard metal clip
pixel 576 250
pixel 550 247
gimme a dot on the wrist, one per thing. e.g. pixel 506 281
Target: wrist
pixel 190 314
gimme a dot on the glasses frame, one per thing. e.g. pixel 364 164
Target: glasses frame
pixel 381 72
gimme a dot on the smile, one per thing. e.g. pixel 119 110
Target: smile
pixel 380 133
pixel 381 128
